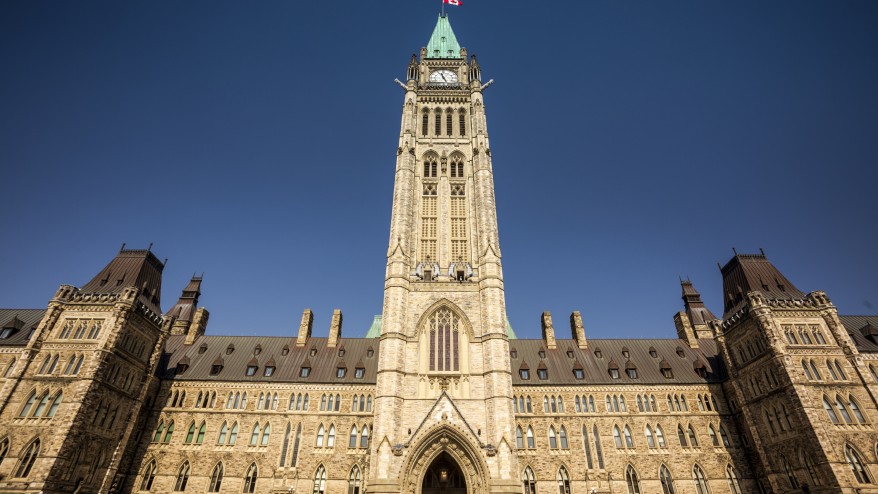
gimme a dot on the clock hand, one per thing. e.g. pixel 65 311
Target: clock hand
pixel 442 75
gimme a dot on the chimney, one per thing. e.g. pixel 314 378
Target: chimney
pixel 305 327
pixel 198 326
pixel 334 329
pixel 548 330
pixel 578 329
pixel 684 329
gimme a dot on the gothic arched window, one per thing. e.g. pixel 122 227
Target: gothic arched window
pixel 632 480
pixel 295 454
pixel 462 124
pixel 233 434
pixel 587 447
pixel 425 124
pixel 856 464
pixel 354 481
pixel 438 126
pixel 443 328
pixel 732 478
pixel 250 478
pixel 216 478
pixel 148 476
pixel 530 485
pixel 320 481
pixel 182 477
pixel 519 438
pixel 563 481
pixel 700 480
pixel 449 119
pixel 666 480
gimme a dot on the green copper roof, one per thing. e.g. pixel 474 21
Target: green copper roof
pixel 443 43
pixel 510 333
pixel 375 328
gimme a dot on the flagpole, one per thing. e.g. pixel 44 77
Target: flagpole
pixel 443 8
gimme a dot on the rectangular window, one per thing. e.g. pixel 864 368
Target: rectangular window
pixel 578 374
pixel 524 373
pixel 543 374
pixel 304 372
pixel 340 372
pixel 251 370
pixel 359 372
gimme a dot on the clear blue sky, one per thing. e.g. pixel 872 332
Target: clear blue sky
pixel 633 142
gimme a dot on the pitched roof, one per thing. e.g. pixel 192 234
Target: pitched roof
pixel 138 268
pixel 185 307
pixel 857 326
pixel 443 43
pixel 321 359
pixel 561 361
pixel 375 328
pixel 23 321
pixel 696 310
pixel 754 272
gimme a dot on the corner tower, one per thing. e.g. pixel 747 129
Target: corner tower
pixel 444 386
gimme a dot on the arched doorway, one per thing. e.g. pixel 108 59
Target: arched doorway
pixel 443 477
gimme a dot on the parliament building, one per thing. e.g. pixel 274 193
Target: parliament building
pixel 110 389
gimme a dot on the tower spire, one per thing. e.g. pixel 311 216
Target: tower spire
pixel 443 43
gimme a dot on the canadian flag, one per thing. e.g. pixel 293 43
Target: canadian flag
pixel 453 2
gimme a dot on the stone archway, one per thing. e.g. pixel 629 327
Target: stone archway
pixel 445 445
pixel 443 476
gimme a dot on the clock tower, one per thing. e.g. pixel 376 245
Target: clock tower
pixel 444 412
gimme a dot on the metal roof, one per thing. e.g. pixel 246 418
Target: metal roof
pixel 443 43
pixel 754 272
pixel 855 326
pixel 28 319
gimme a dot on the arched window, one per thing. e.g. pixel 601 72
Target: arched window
pixel 425 123
pixel 725 437
pixel 856 410
pixel 843 409
pixel 254 436
pixel 809 467
pixel 331 405
pixel 182 477
pixel 261 402
pixel 169 433
pixel 223 433
pixel 158 432
pixel 438 122
pixel 368 403
pixel 148 476
pixel 364 437
pixel 693 439
pixel 617 437
pixel 32 397
pixel 320 433
pixel 666 480
pixel 587 447
pixel 354 481
pixel 230 400
pixel 632 480
pixel 854 461
pixel 732 478
pixel 577 405
pixel 330 437
pixel 244 401
pixel 530 438
pixel 553 441
pixel 681 436
pixel 233 434
pixel 449 120
pixel 650 441
pixel 44 402
pixel 519 438
pixel 700 480
pixel 305 403
pixel 562 437
pixel 216 478
pixel 320 481
pixel 352 437
pixel 4 448
pixel 814 371
pixel 563 481
pixel 829 410
pixel 629 440
pixel 462 124
pixel 266 435
pixel 714 440
pixel 295 454
pixel 443 328
pixel 356 403
pixel 274 402
pixel 599 451
pixel 530 486
pixel 190 434
pixel 659 436
pixel 250 478
pixel 57 402
pixel 791 478
pixel 201 431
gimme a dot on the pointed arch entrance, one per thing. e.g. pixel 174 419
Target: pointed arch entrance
pixel 445 448
pixel 443 476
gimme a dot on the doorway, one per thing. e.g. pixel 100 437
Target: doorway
pixel 443 477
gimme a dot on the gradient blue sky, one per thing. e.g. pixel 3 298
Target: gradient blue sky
pixel 633 142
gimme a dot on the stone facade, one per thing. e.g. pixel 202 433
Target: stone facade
pixel 104 392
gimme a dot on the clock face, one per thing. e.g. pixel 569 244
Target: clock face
pixel 443 77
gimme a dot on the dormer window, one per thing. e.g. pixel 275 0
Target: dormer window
pixel 341 352
pixel 569 353
pixel 359 372
pixel 285 351
pixel 304 372
pixel 370 352
pixel 680 352
pixel 5 333
pixel 626 353
pixel 269 370
pixel 632 373
pixel 215 369
pixel 251 370
pixel 230 349
pixel 653 353
pixel 202 349
pixel 313 352
pixel 542 353
pixel 578 374
pixel 340 372
pixel 257 350
pixel 668 373
pixel 524 373
pixel 513 353
pixel 543 374
pixel 614 373
pixel 598 354
pixel 181 368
